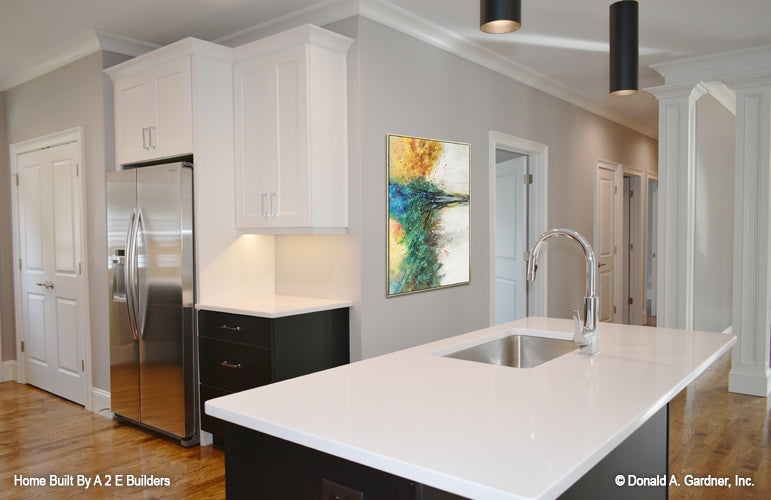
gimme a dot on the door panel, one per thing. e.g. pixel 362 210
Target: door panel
pixel 173 135
pixel 50 204
pixel 510 240
pixel 606 237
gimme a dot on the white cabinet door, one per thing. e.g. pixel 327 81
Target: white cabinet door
pixel 154 113
pixel 134 108
pixel 272 140
pixel 291 133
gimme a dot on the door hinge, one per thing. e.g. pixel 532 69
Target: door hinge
pixel 80 268
pixel 615 189
pixel 615 249
pixel 19 263
pixel 16 179
pixel 77 170
pixel 528 179
pixel 614 309
pixel 631 301
pixel 22 346
pixel 82 365
pixel 631 193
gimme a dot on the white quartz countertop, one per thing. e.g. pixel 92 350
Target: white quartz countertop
pixel 478 430
pixel 272 306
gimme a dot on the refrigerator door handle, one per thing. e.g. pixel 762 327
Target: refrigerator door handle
pixel 135 278
pixel 128 274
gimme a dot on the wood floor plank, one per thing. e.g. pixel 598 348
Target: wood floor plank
pixel 41 435
pixel 712 433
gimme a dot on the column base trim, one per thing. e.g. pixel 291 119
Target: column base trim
pixel 752 384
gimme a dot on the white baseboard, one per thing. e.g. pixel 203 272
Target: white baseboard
pixel 8 371
pixel 100 402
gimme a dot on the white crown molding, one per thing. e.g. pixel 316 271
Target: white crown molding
pixel 712 67
pixel 72 50
pixel 722 94
pixel 306 33
pixel 320 14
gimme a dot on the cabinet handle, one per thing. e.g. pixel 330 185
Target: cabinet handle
pixel 231 328
pixel 227 364
pixel 150 135
pixel 264 197
pixel 274 206
pixel 144 139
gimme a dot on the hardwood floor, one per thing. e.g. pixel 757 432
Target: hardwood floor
pixel 713 432
pixel 41 434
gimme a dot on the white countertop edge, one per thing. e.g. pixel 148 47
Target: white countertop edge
pixel 582 468
pixel 242 306
pixel 450 483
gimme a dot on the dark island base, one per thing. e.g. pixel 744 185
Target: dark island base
pixel 261 466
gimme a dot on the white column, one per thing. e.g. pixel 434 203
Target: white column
pixel 677 182
pixel 750 373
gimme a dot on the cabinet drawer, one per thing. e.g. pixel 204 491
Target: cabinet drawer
pixel 235 328
pixel 209 423
pixel 233 367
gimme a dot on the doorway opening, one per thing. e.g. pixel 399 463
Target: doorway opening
pixel 651 228
pixel 518 190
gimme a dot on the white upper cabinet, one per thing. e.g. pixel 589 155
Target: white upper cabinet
pixel 291 133
pixel 153 113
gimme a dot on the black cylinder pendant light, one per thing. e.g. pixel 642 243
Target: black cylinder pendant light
pixel 623 47
pixel 500 16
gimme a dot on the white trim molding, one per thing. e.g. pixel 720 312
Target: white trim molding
pixel 8 371
pixel 72 50
pixel 538 156
pixel 100 402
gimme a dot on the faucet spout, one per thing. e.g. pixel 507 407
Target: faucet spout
pixel 587 336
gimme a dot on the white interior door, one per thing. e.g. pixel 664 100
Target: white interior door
pixel 510 240
pixel 51 279
pixel 605 241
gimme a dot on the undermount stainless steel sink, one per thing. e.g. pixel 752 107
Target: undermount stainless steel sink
pixel 517 351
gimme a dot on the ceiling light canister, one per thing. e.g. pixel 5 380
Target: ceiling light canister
pixel 500 16
pixel 623 47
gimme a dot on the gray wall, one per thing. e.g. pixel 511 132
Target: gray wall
pixel 713 232
pixel 408 87
pixel 77 95
pixel 6 244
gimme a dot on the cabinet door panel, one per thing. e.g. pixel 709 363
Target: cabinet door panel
pixel 134 108
pixel 172 135
pixel 291 202
pixel 256 139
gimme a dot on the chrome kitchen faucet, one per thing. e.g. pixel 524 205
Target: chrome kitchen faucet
pixel 586 336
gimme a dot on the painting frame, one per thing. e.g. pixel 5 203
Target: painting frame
pixel 428 214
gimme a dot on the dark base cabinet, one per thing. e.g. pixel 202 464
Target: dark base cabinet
pixel 261 466
pixel 238 352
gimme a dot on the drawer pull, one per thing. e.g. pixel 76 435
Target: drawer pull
pixel 227 364
pixel 231 328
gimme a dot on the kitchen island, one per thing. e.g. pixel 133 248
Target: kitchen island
pixel 467 428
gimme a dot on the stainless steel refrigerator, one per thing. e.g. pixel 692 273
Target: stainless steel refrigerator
pixel 152 346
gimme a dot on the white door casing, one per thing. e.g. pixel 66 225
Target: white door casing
pixel 606 231
pixel 49 252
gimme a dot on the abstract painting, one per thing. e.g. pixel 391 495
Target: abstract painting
pixel 428 214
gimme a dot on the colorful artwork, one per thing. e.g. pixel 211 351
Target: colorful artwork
pixel 428 214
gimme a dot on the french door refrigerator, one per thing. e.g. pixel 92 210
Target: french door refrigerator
pixel 152 345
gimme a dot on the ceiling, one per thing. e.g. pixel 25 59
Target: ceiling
pixel 561 41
